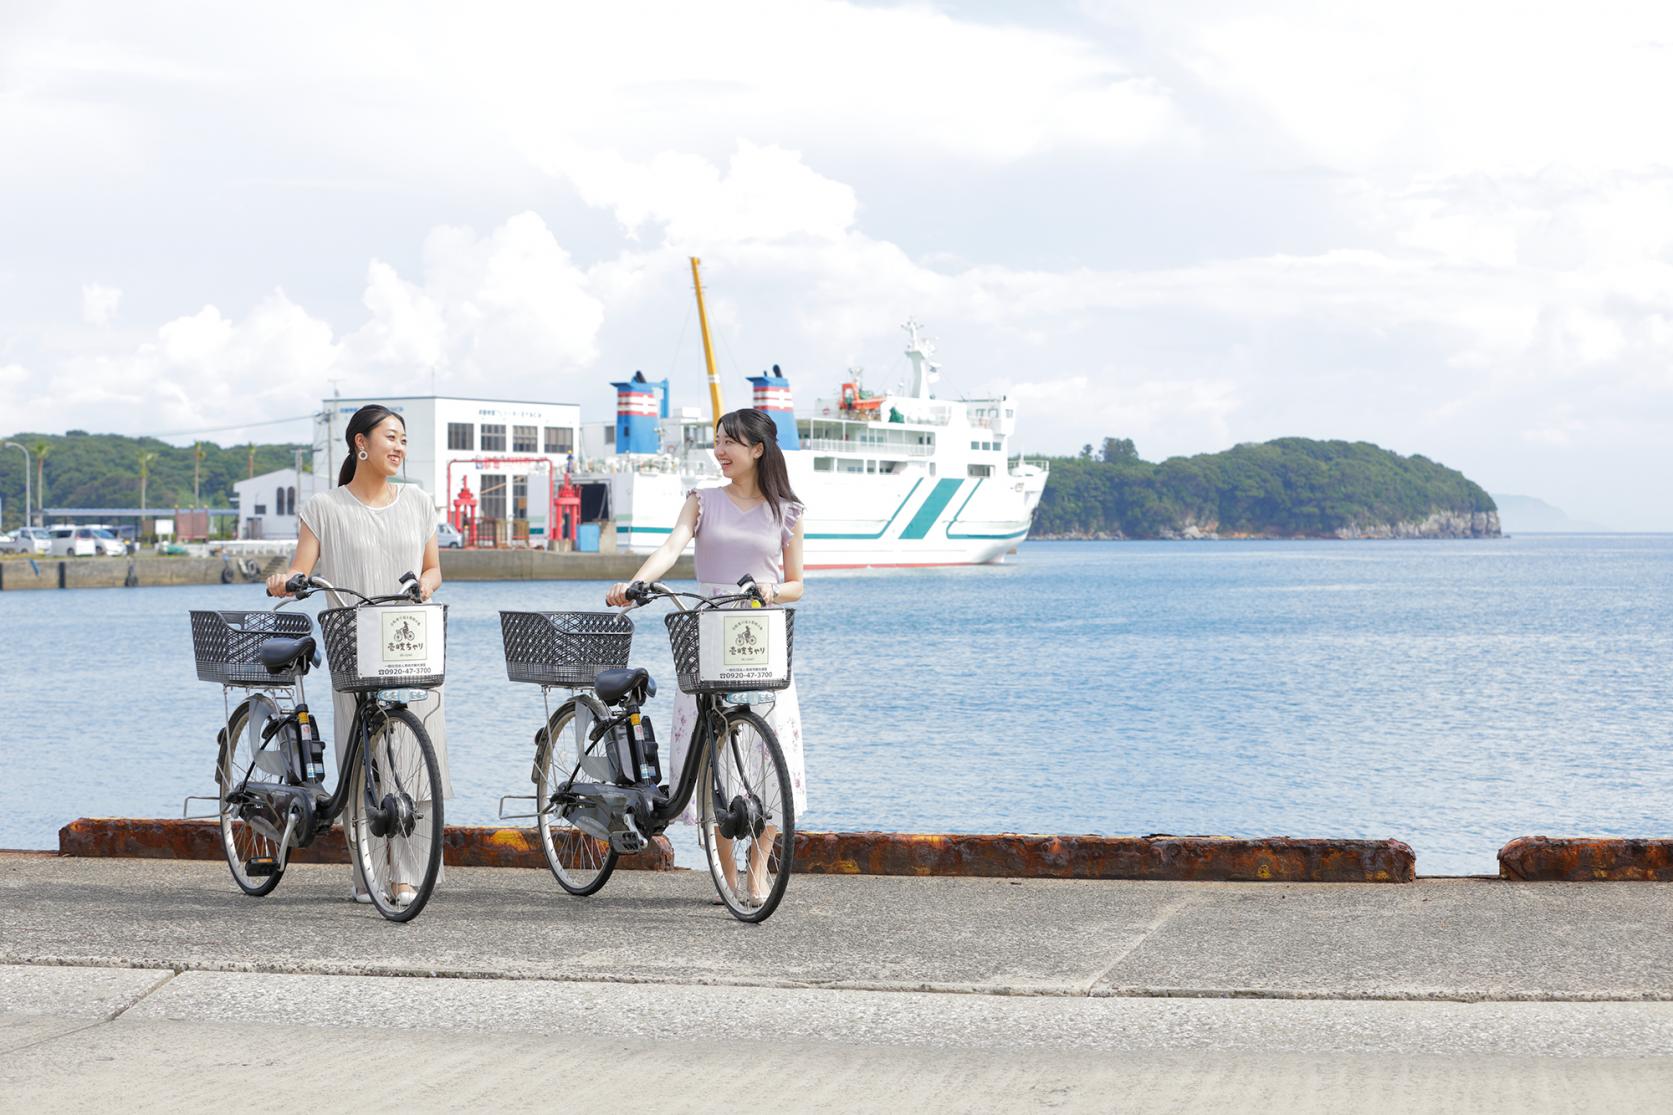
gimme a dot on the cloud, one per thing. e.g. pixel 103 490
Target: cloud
pixel 99 303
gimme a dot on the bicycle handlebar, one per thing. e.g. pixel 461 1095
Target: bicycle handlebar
pixel 301 586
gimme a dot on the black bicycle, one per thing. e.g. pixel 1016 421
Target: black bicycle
pixel 599 787
pixel 386 650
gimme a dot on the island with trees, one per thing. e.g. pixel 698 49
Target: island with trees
pixel 1289 488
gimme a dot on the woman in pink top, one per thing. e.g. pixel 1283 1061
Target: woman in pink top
pixel 752 525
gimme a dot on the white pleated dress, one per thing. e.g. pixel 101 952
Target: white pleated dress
pixel 367 549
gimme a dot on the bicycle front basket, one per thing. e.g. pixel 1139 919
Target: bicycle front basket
pixel 727 649
pixel 564 648
pixel 225 645
pixel 385 646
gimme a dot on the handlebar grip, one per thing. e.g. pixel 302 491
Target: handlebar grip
pixel 639 592
pixel 409 584
pixel 297 585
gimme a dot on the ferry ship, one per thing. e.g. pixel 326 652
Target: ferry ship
pixel 892 479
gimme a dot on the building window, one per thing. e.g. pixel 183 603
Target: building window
pixel 493 438
pixel 519 497
pixel 560 439
pixel 524 439
pixel 261 509
pixel 461 435
pixel 493 492
pixel 981 470
pixel 290 501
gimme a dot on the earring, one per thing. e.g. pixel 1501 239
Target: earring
pixel 361 455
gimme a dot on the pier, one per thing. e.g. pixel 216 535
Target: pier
pixel 147 982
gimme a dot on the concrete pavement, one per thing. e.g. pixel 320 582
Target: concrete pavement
pixel 154 983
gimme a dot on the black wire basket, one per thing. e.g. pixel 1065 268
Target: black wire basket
pixel 564 648
pixel 226 644
pixel 341 627
pixel 685 638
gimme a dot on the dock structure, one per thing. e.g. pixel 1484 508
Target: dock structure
pixel 129 981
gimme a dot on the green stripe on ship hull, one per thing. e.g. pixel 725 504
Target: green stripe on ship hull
pixel 953 522
pixel 937 502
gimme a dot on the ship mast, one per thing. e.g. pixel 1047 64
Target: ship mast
pixel 708 349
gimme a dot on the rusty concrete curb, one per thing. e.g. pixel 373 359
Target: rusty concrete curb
pixel 464 845
pixel 1278 859
pixel 1559 859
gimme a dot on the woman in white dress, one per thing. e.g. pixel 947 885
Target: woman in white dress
pixel 364 534
pixel 752 525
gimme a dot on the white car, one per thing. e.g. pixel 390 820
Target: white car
pixel 74 542
pixel 28 540
pixel 109 544
pixel 448 537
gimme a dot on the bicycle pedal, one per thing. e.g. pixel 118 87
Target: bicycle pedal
pixel 627 843
pixel 261 867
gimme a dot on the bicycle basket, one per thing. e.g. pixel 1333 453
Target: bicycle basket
pixel 385 646
pixel 723 650
pixel 564 648
pixel 225 645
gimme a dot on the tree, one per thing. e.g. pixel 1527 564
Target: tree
pixel 1119 449
pixel 1086 452
pixel 147 457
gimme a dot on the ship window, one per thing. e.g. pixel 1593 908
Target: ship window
pixel 976 445
pixel 848 464
pixel 871 466
pixel 981 470
pixel 824 464
pixel 891 466
pixel 610 435
pixel 932 468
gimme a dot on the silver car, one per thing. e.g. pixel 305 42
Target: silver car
pixel 28 540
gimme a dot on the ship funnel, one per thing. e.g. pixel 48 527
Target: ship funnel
pixel 772 395
pixel 637 410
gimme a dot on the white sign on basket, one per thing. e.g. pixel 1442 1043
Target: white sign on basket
pixel 744 647
pixel 400 642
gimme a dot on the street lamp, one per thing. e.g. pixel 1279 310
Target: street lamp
pixel 28 464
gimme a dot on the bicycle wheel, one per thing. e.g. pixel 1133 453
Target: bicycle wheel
pixel 398 841
pixel 251 850
pixel 747 817
pixel 580 862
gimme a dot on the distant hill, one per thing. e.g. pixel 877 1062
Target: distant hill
pixel 102 470
pixel 1527 514
pixel 1289 488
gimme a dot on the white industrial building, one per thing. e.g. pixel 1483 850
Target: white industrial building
pixel 267 504
pixel 508 456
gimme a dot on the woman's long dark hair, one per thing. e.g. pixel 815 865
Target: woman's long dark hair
pixel 365 420
pixel 753 427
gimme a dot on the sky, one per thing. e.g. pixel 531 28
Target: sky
pixel 1446 229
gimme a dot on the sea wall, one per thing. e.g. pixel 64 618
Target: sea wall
pixel 17 574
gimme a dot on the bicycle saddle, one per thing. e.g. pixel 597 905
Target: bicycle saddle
pixel 613 685
pixel 281 655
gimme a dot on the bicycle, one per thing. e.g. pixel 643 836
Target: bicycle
pixel 270 766
pixel 597 769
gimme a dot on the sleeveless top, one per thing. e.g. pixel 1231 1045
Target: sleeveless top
pixel 732 541
pixel 368 548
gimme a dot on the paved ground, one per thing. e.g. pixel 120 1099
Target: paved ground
pixel 154 984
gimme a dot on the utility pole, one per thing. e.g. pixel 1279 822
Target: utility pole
pixel 28 463
pixel 252 474
pixel 197 463
pixel 146 456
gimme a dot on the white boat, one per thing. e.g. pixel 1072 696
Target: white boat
pixel 889 480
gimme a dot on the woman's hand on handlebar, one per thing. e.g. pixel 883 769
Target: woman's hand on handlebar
pixel 616 597
pixel 283 584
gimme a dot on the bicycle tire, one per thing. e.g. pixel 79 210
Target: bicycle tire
pixel 779 814
pixel 236 844
pixel 573 877
pixel 411 772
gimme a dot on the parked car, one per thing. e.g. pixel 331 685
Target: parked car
pixel 74 542
pixel 28 540
pixel 109 544
pixel 448 537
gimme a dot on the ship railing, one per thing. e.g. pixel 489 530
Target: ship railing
pixel 885 448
